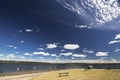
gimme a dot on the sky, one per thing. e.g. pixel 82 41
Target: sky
pixel 60 30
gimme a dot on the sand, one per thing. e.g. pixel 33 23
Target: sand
pixel 78 74
pixel 74 74
pixel 22 76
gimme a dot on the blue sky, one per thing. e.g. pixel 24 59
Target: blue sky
pixel 60 30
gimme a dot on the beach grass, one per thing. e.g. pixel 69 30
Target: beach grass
pixel 79 74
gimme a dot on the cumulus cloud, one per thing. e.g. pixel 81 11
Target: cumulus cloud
pixel 117 36
pixel 79 55
pixel 52 46
pixel 66 54
pixel 114 41
pixel 41 53
pixel 102 54
pixel 11 56
pixel 27 54
pixel 71 46
pixel 96 11
pixel 87 51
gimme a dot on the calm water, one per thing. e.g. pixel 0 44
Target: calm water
pixel 15 67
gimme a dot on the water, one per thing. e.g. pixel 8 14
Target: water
pixel 15 67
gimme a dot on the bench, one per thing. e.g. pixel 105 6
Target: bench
pixel 63 74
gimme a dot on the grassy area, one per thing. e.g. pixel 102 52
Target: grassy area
pixel 76 74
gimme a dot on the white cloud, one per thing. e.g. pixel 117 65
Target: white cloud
pixel 103 58
pixel 102 53
pixel 28 30
pixel 22 41
pixel 17 52
pixel 113 59
pixel 114 41
pixel 40 49
pixel 62 50
pixel 41 45
pixel 73 58
pixel 11 56
pixel 11 46
pixel 1 55
pixel 40 57
pixel 71 46
pixel 41 53
pixel 82 26
pixel 66 54
pixel 87 51
pixel 108 59
pixel 52 46
pixel 79 55
pixel 53 55
pixel 27 54
pixel 97 11
pixel 14 47
pixel 117 36
pixel 22 57
pixel 117 50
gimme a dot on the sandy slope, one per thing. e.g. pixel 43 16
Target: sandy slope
pixel 21 77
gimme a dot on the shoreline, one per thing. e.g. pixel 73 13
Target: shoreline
pixel 21 76
pixel 42 71
pixel 23 72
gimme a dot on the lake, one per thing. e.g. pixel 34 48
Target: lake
pixel 16 67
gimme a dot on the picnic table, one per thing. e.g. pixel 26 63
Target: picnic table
pixel 62 74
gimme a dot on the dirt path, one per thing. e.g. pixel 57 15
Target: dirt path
pixel 21 77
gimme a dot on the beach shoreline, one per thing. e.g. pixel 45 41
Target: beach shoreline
pixel 23 75
pixel 23 72
pixel 38 75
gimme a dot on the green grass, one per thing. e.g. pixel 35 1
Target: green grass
pixel 77 74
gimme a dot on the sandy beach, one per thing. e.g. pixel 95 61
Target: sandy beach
pixel 81 74
pixel 73 74
pixel 21 77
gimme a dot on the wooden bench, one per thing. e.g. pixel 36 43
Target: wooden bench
pixel 63 74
